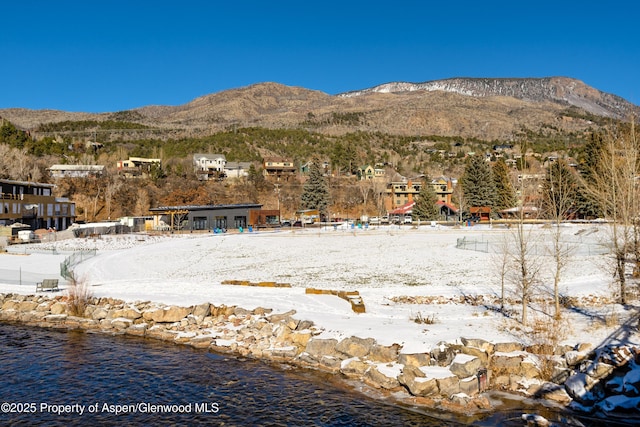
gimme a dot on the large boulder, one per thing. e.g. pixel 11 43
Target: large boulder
pixel 317 348
pixel 202 310
pixel 464 365
pixel 355 347
pixel 478 343
pixel 381 353
pixel 443 353
pixel 127 313
pixel 354 367
pixel 169 314
pixel 414 359
pixel 383 376
pixel 417 383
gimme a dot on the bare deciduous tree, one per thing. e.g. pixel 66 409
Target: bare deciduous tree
pixel 614 184
pixel 558 195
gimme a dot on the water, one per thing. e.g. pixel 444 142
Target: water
pixel 124 380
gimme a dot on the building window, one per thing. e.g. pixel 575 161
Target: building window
pixel 239 221
pixel 271 219
pixel 221 222
pixel 200 223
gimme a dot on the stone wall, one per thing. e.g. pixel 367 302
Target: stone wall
pixel 451 376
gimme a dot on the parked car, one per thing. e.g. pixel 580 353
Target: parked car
pixel 374 220
pixel 407 219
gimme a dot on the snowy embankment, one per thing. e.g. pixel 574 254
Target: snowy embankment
pixel 418 289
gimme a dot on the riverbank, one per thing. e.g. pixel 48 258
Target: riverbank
pixel 431 305
pixel 457 379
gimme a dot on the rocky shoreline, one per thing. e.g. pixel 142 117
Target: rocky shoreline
pixel 453 377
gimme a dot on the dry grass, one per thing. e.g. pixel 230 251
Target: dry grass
pixel 78 294
pixel 423 320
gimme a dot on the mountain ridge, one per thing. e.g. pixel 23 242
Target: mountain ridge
pixel 486 108
pixel 569 90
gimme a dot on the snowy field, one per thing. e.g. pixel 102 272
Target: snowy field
pixel 402 274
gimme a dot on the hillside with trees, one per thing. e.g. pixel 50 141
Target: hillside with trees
pixel 410 134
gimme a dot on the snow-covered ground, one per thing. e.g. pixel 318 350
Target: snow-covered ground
pixel 397 270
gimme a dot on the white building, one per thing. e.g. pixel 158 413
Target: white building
pixel 209 166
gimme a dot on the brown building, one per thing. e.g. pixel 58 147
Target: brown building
pixel 278 169
pixel 34 204
pixel 401 193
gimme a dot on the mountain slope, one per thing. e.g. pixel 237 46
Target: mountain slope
pixel 482 108
pixel 561 90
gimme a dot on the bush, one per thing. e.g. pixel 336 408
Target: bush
pixel 79 295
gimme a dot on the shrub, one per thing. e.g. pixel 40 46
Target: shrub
pixel 420 319
pixel 79 294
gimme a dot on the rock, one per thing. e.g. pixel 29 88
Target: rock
pixel 288 352
pixel 318 348
pixel 529 368
pixel 10 305
pixel 414 359
pixel 200 342
pixel 480 354
pixel 381 353
pixel 99 313
pixel 304 325
pixel 449 385
pixel 478 343
pixel 442 354
pixel 121 323
pixel 138 330
pixel 260 311
pixel 355 347
pixel 59 308
pixel 160 334
pixel 584 347
pixel 378 379
pixel 579 387
pixel 574 358
pixel 469 386
pixel 241 312
pixel 507 347
pixel 631 382
pixel 276 318
pixel 202 310
pixel 555 393
pixel 534 420
pixel 507 362
pixel 170 314
pixel 330 363
pixel 560 375
pixel 354 367
pixel 128 313
pixel 598 370
pixel 300 338
pixel 464 366
pixel 55 317
pixel 27 306
pixel 418 386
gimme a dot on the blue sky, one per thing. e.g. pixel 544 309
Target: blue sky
pixel 106 56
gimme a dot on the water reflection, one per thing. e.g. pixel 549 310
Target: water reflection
pixel 136 377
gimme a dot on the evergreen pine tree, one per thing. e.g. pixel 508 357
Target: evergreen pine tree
pixel 505 196
pixel 315 191
pixel 425 207
pixel 477 183
pixel 587 205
